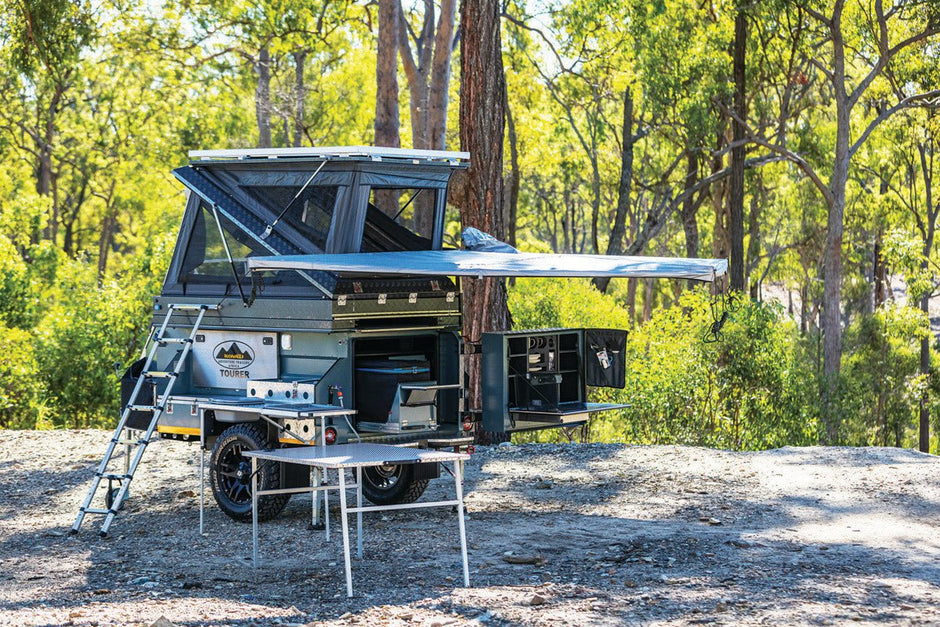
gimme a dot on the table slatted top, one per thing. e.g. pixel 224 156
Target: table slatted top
pixel 280 409
pixel 353 455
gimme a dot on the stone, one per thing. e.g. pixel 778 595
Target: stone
pixel 536 560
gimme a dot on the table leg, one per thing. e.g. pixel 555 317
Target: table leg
pixel 325 478
pixel 202 488
pixel 345 524
pixel 314 496
pixel 458 483
pixel 359 513
pixel 254 511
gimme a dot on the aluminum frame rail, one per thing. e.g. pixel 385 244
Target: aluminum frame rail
pixel 114 502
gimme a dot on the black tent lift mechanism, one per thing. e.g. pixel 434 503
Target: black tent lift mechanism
pixel 312 298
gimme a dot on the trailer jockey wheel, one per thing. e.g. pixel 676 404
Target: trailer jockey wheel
pixel 111 494
pixel 392 484
pixel 230 474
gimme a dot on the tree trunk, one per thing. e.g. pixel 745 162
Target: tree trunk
pixel 481 134
pixel 386 94
pixel 690 207
pixel 386 77
pixel 924 409
pixel 721 243
pixel 439 83
pixel 647 299
pixel 832 261
pixel 736 210
pixel 105 239
pixel 880 273
pixel 263 97
pixel 832 284
pixel 45 174
pixel 512 180
pixel 615 244
pixel 631 300
pixel 300 96
pixel 595 199
pixel 754 237
pixel 428 86
pixel 931 223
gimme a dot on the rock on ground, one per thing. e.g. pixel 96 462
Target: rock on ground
pixel 623 535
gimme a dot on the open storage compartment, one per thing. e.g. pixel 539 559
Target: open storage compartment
pixel 399 383
pixel 538 378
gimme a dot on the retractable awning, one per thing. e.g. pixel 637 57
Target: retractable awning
pixel 472 263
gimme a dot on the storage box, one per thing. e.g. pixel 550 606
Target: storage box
pixel 377 385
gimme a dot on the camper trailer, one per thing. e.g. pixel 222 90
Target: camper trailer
pixel 313 297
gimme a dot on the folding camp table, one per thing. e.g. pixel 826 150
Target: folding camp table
pixel 357 457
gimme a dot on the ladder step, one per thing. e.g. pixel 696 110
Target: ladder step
pixel 173 340
pixel 194 307
pixel 145 408
pixel 157 374
pixel 158 407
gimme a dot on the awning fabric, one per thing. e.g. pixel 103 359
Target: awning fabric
pixel 489 264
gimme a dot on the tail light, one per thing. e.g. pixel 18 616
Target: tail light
pixel 330 435
pixel 471 449
pixel 467 423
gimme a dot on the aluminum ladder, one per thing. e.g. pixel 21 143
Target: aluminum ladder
pixel 114 502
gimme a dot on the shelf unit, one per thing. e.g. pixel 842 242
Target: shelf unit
pixel 532 379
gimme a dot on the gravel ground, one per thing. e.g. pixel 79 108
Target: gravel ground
pixel 559 535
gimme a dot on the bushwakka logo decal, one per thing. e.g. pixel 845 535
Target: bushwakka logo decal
pixel 233 355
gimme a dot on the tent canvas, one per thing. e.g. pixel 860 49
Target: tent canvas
pixel 472 263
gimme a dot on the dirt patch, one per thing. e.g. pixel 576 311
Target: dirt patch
pixel 559 535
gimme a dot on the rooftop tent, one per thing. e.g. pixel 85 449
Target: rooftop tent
pixel 304 201
pixel 472 263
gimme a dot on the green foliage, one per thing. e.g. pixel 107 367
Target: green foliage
pixel 91 334
pixel 881 385
pixel 47 34
pixel 549 303
pixel 60 367
pixel 17 302
pixel 21 401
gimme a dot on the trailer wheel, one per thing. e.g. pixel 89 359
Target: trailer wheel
pixel 392 484
pixel 230 474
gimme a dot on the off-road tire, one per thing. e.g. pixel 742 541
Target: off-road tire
pixel 392 485
pixel 233 493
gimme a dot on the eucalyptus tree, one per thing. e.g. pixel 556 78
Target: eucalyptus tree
pixel 857 46
pixel 42 46
pixel 264 39
pixel 482 120
pixel 581 59
pixel 909 153
pixel 387 120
